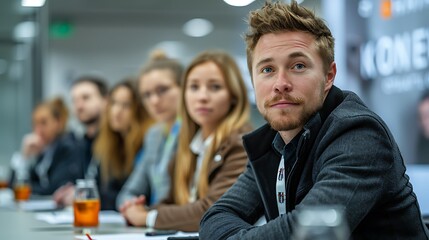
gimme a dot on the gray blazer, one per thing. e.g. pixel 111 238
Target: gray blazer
pixel 346 156
pixel 149 178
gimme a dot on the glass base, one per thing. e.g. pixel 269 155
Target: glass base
pixel 85 230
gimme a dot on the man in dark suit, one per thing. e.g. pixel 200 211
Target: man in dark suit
pixel 89 99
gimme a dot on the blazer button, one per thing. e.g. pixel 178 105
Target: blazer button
pixel 218 158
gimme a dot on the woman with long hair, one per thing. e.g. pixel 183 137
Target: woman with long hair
pixel 210 156
pixel 118 147
pixel 159 87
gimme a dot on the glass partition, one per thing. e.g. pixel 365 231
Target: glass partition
pixel 20 72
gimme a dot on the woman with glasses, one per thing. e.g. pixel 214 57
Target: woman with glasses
pixel 210 155
pixel 159 87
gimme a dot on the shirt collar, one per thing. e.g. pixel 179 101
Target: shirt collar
pixel 279 145
pixel 198 144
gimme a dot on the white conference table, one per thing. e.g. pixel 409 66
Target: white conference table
pixel 17 223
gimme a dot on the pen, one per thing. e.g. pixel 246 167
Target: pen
pixel 89 237
pixel 161 232
pixel 183 238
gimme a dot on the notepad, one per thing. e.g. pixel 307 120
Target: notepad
pixel 38 205
pixel 66 217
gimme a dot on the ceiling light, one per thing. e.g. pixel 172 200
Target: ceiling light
pixel 32 3
pixel 365 8
pixel 239 3
pixel 25 30
pixel 198 27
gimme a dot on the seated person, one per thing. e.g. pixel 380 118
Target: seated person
pixel 422 153
pixel 159 87
pixel 210 156
pixel 321 147
pixel 118 146
pixel 88 95
pixel 48 158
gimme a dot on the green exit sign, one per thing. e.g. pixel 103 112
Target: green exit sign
pixel 61 29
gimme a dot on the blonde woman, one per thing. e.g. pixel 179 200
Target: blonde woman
pixel 159 88
pixel 210 155
pixel 48 157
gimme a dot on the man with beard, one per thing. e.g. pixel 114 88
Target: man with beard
pixel 88 95
pixel 89 99
pixel 321 147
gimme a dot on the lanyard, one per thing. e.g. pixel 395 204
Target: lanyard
pixel 159 171
pixel 168 146
pixel 280 188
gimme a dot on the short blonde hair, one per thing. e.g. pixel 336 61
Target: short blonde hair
pixel 281 17
pixel 158 60
pixel 58 109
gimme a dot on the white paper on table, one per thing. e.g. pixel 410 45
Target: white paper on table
pixel 38 205
pixel 110 216
pixel 62 217
pixel 133 236
pixel 6 198
pixel 66 217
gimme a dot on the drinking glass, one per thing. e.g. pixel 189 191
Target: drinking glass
pixel 6 194
pixel 322 223
pixel 86 206
pixel 21 186
pixel 4 177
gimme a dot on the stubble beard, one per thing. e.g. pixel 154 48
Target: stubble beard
pixel 284 120
pixel 292 118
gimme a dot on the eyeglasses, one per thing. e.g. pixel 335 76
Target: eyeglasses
pixel 159 91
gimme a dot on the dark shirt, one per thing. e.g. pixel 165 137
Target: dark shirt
pixel 110 188
pixel 422 155
pixel 66 166
pixel 288 151
pixel 109 191
pixel 87 143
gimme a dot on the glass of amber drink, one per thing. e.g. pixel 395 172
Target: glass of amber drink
pixel 3 177
pixel 22 192
pixel 3 184
pixel 22 187
pixel 86 206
